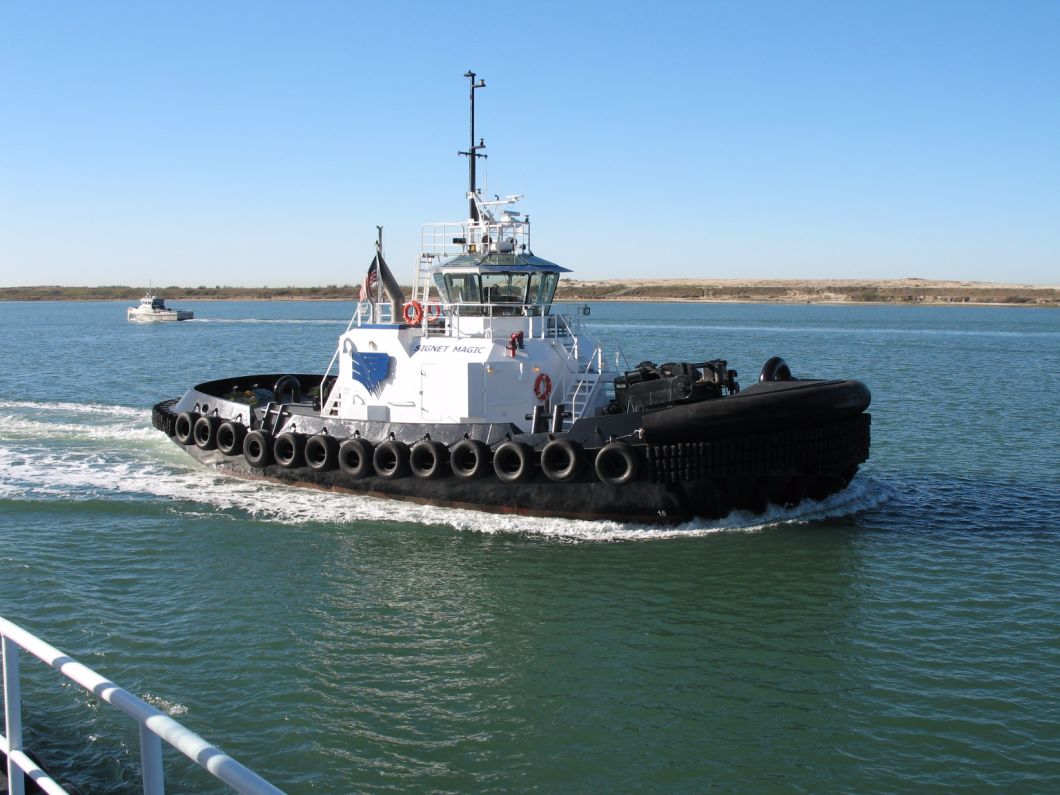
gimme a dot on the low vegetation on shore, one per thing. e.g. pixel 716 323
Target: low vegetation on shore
pixel 895 291
pixel 331 292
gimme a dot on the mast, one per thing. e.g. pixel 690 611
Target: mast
pixel 472 154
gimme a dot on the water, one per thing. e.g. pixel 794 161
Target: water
pixel 902 635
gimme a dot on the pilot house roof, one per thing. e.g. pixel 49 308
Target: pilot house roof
pixel 517 263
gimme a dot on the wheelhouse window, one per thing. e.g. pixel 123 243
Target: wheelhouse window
pixel 510 292
pixel 505 288
pixel 459 288
pixel 543 288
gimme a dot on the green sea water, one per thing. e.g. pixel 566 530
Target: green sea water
pixel 904 635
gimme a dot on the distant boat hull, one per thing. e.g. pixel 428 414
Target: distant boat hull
pixel 170 315
pixel 153 309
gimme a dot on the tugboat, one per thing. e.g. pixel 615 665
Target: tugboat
pixel 477 392
pixel 153 308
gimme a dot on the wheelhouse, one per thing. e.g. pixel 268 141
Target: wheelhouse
pixel 526 286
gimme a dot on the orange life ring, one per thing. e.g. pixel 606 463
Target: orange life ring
pixel 434 310
pixel 542 386
pixel 413 313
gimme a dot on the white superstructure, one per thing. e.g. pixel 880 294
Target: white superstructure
pixel 153 308
pixel 479 341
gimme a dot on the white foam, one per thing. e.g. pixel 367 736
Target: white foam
pixel 171 708
pixel 110 474
pixel 859 496
pixel 15 427
pixel 95 409
pixel 32 466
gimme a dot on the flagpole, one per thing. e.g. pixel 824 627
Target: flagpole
pixel 379 274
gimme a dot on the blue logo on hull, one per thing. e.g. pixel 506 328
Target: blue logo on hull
pixel 370 368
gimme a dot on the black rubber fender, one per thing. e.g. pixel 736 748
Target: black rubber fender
pixel 391 459
pixel 205 432
pixel 355 458
pixel 616 464
pixel 321 452
pixel 470 459
pixel 184 427
pixel 775 369
pixel 513 462
pixel 257 448
pixel 288 449
pixel 230 436
pixel 287 384
pixel 429 460
pixel 561 460
pixel 163 417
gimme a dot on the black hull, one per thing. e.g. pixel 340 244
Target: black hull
pixel 772 444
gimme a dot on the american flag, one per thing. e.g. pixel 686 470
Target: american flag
pixel 370 280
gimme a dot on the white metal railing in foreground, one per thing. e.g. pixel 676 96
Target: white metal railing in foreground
pixel 154 725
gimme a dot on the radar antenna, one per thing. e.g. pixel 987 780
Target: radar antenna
pixel 472 154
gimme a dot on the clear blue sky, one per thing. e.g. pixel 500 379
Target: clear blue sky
pixel 259 143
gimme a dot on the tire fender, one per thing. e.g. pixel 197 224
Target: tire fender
pixel 561 460
pixel 469 459
pixel 257 448
pixel 775 369
pixel 205 432
pixel 616 464
pixel 513 462
pixel 288 449
pixel 230 436
pixel 184 427
pixel 355 458
pixel 391 459
pixel 321 452
pixel 429 460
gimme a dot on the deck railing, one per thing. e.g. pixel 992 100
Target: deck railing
pixel 155 726
pixel 452 318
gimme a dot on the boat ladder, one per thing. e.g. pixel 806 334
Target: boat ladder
pixel 581 389
pixel 331 408
pixel 583 384
pixel 273 413
pixel 421 288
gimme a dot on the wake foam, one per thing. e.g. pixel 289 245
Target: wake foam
pixel 12 428
pixel 861 495
pixel 196 488
pixel 36 465
pixel 87 409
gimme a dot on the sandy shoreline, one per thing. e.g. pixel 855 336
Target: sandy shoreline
pixel 790 291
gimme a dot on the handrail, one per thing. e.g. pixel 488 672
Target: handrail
pixel 457 310
pixel 155 726
pixel 572 333
pixel 334 356
pixel 584 380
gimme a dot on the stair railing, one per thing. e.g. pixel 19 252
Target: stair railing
pixel 588 379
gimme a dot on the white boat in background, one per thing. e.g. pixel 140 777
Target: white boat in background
pixel 153 308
